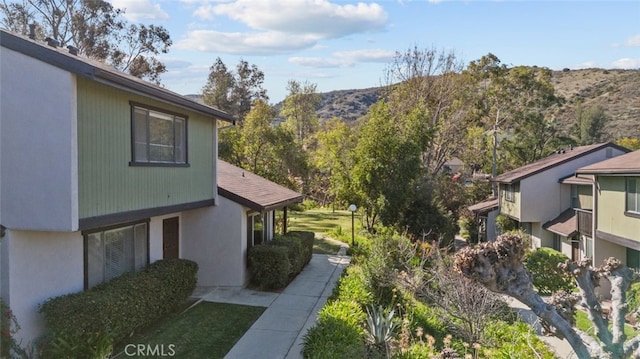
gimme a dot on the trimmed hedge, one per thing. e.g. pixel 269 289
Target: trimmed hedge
pixel 123 305
pixel 295 253
pixel 269 266
pixel 306 239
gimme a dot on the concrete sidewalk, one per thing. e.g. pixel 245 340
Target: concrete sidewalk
pixel 560 346
pixel 278 332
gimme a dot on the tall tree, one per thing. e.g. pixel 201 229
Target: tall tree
pixel 299 109
pixel 234 92
pixel 331 162
pixel 96 29
pixel 424 94
pixel 386 164
pixel 589 125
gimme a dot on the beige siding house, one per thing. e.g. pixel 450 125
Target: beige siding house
pixel 536 197
pixel 616 203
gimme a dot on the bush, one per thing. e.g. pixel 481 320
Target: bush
pixel 505 223
pixel 295 252
pixel 338 332
pixel 353 287
pixel 121 306
pixel 269 266
pixel 306 239
pixel 547 277
pixel 517 340
pixel 633 297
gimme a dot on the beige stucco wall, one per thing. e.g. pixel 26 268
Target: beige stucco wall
pixel 216 239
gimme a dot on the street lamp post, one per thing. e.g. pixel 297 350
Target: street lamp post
pixel 352 208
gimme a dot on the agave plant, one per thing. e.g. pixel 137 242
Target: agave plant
pixel 380 328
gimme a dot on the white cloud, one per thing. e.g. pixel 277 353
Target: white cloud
pixel 345 58
pixel 263 43
pixel 626 63
pixel 318 17
pixel 633 41
pixel 136 10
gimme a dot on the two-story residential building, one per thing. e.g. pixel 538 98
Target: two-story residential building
pixel 535 196
pixel 101 173
pixel 616 204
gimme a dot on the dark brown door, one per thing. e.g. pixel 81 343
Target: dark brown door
pixel 575 250
pixel 170 238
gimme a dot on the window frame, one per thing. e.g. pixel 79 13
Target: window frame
pixel 628 194
pixel 152 163
pixel 85 241
pixel 510 192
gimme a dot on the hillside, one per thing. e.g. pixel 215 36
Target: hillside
pixel 617 91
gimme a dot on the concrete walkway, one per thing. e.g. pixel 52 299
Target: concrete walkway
pixel 278 332
pixel 560 346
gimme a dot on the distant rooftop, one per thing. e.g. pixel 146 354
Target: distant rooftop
pixel 556 159
pixel 623 164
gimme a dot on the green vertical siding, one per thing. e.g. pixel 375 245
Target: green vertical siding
pixel 611 208
pixel 510 208
pixel 106 182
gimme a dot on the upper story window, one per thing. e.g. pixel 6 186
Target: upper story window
pixel 159 138
pixel 510 193
pixel 633 195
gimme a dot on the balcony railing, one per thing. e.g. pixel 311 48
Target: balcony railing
pixel 585 220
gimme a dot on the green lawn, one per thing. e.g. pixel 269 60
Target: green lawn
pixel 583 323
pixel 208 330
pixel 323 221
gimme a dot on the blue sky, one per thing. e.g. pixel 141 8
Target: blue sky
pixel 348 44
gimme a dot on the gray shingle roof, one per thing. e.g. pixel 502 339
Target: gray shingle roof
pixel 551 161
pixel 251 190
pixel 627 163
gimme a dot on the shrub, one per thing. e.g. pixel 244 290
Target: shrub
pixel 353 287
pixel 338 332
pixel 505 223
pixel 306 239
pixel 120 307
pixel 633 297
pixel 269 266
pixel 295 252
pixel 547 277
pixel 517 340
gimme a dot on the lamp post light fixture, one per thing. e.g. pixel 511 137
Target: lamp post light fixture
pixel 352 208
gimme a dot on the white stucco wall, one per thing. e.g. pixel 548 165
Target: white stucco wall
pixel 38 266
pixel 216 239
pixel 38 145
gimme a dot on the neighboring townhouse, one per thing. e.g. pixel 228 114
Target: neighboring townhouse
pixel 535 196
pixel 485 214
pixel 616 203
pixel 101 173
pixel 245 216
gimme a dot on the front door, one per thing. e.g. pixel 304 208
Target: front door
pixel 575 250
pixel 170 238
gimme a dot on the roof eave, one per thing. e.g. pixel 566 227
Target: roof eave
pixel 115 79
